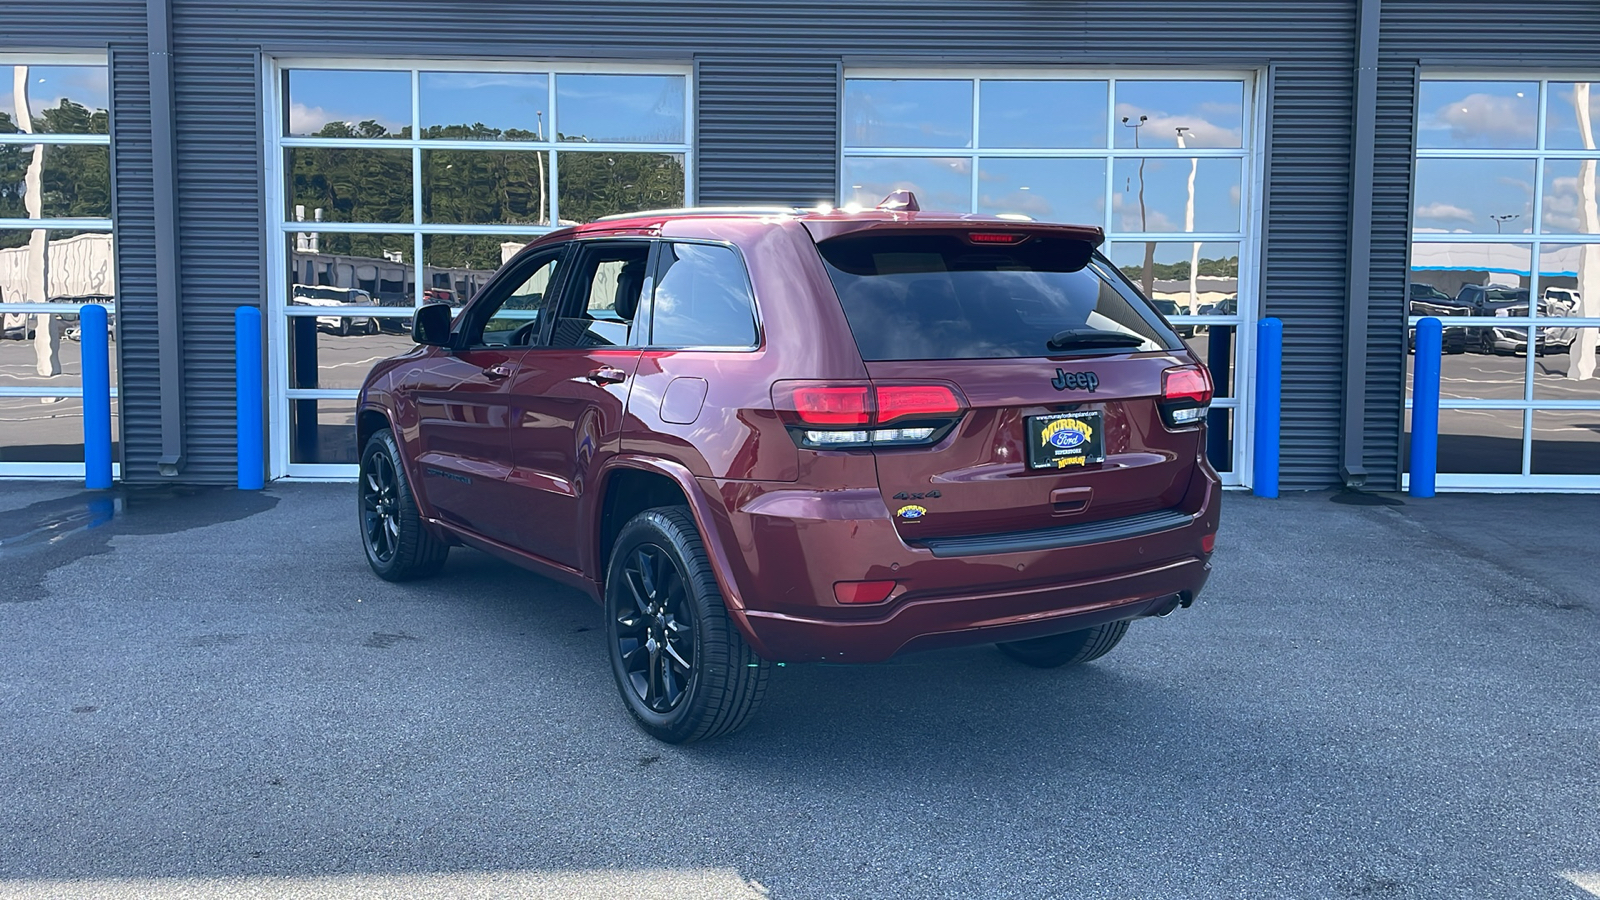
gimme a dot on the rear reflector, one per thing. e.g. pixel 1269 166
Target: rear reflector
pixel 862 591
pixel 1208 543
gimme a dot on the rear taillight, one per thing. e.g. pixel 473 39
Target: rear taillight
pixel 854 415
pixel 1185 395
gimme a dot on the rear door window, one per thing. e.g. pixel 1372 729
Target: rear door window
pixel 939 296
pixel 607 282
pixel 702 298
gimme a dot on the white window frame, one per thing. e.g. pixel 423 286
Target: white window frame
pixel 97 224
pixel 1251 202
pixel 278 225
pixel 1527 480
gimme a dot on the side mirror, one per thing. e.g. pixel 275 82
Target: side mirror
pixel 431 324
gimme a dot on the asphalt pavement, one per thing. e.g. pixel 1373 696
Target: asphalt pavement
pixel 206 693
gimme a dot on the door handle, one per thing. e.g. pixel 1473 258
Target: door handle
pixel 607 375
pixel 497 372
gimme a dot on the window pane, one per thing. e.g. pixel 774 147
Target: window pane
pixel 1468 279
pixel 485 186
pixel 455 266
pixel 1042 114
pixel 907 113
pixel 349 185
pixel 610 281
pixel 1477 114
pixel 1558 375
pixel 338 352
pixel 1474 196
pixel 602 184
pixel 1214 291
pixel 342 103
pixel 703 299
pixel 1153 194
pixel 1219 439
pixel 645 109
pixel 48 429
pixel 941 183
pixel 1050 190
pixel 336 269
pixel 1566 125
pixel 82 266
pixel 60 100
pixel 522 307
pixel 55 361
pixel 322 431
pixel 1569 197
pixel 484 105
pixel 1487 441
pixel 1214 344
pixel 1560 291
pixel 74 180
pixel 1210 112
pixel 1566 442
pixel 934 297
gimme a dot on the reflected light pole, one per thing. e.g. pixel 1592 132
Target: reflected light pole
pixel 1505 218
pixel 1188 223
pixel 539 158
pixel 1147 277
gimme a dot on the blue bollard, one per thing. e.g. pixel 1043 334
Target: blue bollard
pixel 94 340
pixel 247 396
pixel 1269 405
pixel 1425 407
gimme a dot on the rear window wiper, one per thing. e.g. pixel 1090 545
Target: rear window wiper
pixel 1076 338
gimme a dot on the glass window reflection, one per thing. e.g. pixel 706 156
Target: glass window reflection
pixel 348 104
pixel 1484 441
pixel 892 112
pixel 1568 198
pixel 592 185
pixel 1572 116
pixel 74 180
pixel 334 269
pixel 621 108
pixel 1051 190
pixel 337 352
pixel 1211 114
pixel 485 186
pixel 1559 373
pixel 484 105
pixel 1213 291
pixel 81 266
pixel 47 429
pixel 348 184
pixel 1152 194
pixel 1478 114
pixel 1047 114
pixel 59 100
pixel 1566 442
pixel 1474 196
pixel 1569 280
pixel 1468 279
pixel 942 183
pixel 322 431
pixel 456 266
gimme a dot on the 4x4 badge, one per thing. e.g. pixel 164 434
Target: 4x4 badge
pixel 1076 381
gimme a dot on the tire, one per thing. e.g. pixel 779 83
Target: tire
pixel 660 592
pixel 398 546
pixel 344 328
pixel 1067 649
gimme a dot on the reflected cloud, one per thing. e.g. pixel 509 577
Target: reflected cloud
pixel 1446 212
pixel 1201 133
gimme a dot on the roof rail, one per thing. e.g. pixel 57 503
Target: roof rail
pixel 708 210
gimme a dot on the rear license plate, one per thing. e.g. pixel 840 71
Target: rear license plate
pixel 1065 440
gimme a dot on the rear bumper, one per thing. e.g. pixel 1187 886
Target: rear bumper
pixel 793 545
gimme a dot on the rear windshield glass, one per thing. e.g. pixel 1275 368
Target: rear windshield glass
pixel 941 297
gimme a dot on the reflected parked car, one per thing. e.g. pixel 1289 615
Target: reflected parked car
pixel 1169 308
pixel 1427 300
pixel 1502 301
pixel 321 295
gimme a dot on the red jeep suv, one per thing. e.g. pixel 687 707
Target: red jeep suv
pixel 761 435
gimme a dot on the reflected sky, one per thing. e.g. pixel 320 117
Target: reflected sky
pixel 633 108
pixel 1057 114
pixel 939 183
pixel 1477 114
pixel 1212 111
pixel 1562 130
pixel 319 96
pixel 1561 212
pixel 1053 190
pixel 907 113
pixel 47 85
pixel 502 101
pixel 1166 194
pixel 1464 195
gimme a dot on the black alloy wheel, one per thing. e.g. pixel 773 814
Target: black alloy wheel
pixel 399 546
pixel 682 667
pixel 655 636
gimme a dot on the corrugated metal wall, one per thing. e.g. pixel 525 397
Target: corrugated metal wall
pixel 767 130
